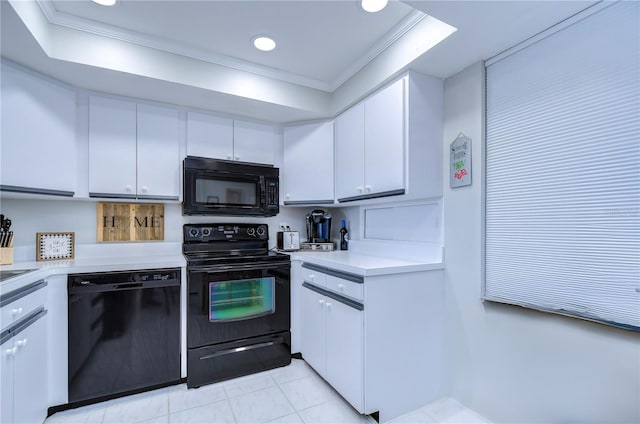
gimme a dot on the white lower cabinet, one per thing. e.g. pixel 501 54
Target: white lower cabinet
pixel 345 365
pixel 353 328
pixel 332 341
pixel 24 354
pixel 29 370
pixel 313 337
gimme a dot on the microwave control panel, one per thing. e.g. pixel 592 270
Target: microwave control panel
pixel 272 194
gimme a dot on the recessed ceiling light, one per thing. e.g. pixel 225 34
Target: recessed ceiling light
pixel 373 5
pixel 105 2
pixel 264 43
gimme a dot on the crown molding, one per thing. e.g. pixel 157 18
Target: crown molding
pixel 97 28
pixel 405 25
pixel 55 17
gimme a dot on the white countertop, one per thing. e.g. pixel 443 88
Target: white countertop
pixel 364 264
pixel 365 261
pixel 89 264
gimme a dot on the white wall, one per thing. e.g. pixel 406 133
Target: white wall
pixel 508 363
pixel 29 216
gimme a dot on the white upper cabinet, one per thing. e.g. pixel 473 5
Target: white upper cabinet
pixel 209 136
pixel 158 153
pixel 216 137
pixel 391 143
pixel 384 140
pixel 133 150
pixel 370 146
pixel 38 149
pixel 350 153
pixel 253 142
pixel 112 148
pixel 307 169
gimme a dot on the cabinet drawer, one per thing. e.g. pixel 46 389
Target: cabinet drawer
pixel 345 287
pixel 20 302
pixel 315 277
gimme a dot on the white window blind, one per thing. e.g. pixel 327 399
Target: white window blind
pixel 562 199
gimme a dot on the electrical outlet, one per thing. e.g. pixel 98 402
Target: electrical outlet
pixel 283 226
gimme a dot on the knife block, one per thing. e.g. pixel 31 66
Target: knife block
pixel 6 255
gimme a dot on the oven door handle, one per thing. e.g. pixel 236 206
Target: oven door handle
pixel 237 349
pixel 222 268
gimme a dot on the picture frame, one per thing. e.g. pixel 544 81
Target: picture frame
pixel 52 246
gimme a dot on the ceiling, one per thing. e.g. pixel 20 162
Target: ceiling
pixel 329 54
pixel 317 41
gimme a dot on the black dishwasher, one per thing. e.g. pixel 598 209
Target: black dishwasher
pixel 124 333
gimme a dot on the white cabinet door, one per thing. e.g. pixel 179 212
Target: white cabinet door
pixel 209 136
pixel 350 153
pixel 308 163
pixel 6 381
pixel 38 149
pixel 30 374
pixel 158 153
pixel 253 142
pixel 313 330
pixel 345 351
pixel 384 140
pixel 112 148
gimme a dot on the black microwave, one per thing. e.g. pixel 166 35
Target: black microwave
pixel 222 187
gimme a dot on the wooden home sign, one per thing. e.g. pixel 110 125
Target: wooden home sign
pixel 130 222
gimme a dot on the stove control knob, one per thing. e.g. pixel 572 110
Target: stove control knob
pixel 206 232
pixel 261 231
pixel 251 231
pixel 193 232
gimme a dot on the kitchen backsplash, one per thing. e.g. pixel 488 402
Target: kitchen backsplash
pixel 34 215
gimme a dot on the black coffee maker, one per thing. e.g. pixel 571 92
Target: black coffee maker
pixel 318 226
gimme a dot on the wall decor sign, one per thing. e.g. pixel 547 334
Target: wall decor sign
pixel 54 246
pixel 460 162
pixel 130 222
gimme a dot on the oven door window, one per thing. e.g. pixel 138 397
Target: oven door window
pixel 241 299
pixel 226 192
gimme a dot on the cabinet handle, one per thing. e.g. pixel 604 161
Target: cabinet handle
pixel 359 188
pixel 21 343
pixel 312 276
pixel 341 287
pixel 237 157
pixel 11 352
pixel 321 301
pixel 328 305
pixel 16 311
pixel 367 188
pixel 128 188
pixel 144 189
pixel 229 157
pixel 287 196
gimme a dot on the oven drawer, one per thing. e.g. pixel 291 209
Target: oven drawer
pixel 345 287
pixel 223 361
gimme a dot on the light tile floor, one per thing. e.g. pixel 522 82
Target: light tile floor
pixel 292 394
